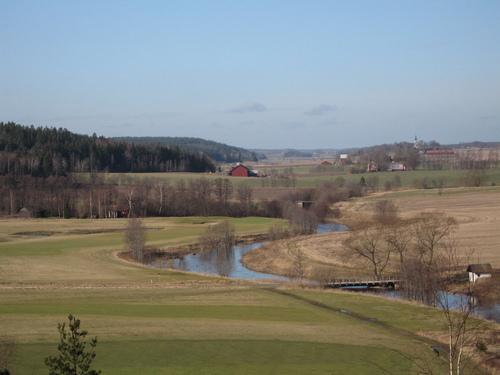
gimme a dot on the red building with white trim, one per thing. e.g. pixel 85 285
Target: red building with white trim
pixel 239 170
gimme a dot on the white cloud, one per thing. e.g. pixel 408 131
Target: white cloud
pixel 249 108
pixel 321 110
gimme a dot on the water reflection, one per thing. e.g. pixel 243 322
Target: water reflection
pixel 226 262
pixel 218 262
pixel 454 301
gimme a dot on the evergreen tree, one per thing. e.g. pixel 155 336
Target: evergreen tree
pixel 75 357
pixel 43 152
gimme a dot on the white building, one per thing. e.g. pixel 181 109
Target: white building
pixel 479 271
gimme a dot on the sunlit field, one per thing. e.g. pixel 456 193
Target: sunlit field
pixel 164 322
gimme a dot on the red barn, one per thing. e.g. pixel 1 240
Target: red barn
pixel 239 170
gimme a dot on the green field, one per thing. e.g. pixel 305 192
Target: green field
pixel 151 321
pixel 307 177
pixel 217 330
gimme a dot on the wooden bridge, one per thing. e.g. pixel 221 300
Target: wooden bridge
pixel 390 283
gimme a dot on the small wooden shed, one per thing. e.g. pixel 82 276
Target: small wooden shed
pixel 479 271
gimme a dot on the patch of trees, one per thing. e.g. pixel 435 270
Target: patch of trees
pixel 297 154
pixel 96 197
pixel 217 243
pixel 38 151
pixel 67 196
pixel 219 152
pixel 424 253
pixel 135 239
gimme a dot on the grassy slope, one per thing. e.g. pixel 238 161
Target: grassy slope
pixel 158 322
pixel 238 330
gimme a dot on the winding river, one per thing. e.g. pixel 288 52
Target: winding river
pixel 230 264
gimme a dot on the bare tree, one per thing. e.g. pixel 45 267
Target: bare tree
pixel 223 190
pixel 385 212
pixel 398 237
pixel 431 232
pixel 457 310
pixel 298 257
pixel 218 240
pixel 245 193
pixel 431 268
pixel 278 231
pixel 323 274
pixel 135 238
pixel 369 244
pixel 130 201
pixel 161 188
pixel 301 221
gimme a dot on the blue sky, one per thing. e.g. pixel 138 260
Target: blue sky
pixel 268 74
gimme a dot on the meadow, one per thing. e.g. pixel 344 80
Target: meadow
pixel 476 210
pixel 151 321
pixel 310 177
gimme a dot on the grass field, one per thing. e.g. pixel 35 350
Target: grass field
pixel 219 330
pixel 477 211
pixel 307 177
pixel 76 250
pixel 163 322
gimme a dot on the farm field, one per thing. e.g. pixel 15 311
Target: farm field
pixel 477 211
pixel 217 330
pixel 46 250
pixel 308 177
pixel 165 322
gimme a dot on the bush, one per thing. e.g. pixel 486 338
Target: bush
pixel 218 236
pixel 323 275
pixel 385 212
pixel 481 346
pixel 278 232
pixel 301 221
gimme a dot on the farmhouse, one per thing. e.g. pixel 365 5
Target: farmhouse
pixel 479 271
pixel 326 163
pixel 396 166
pixel 239 170
pixel 344 159
pixel 372 167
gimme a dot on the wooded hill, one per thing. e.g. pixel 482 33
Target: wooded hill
pixel 219 152
pixel 42 151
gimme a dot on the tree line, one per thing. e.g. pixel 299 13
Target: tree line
pixel 219 152
pixel 95 197
pixel 39 151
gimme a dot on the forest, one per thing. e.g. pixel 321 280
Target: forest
pixel 219 152
pixel 43 151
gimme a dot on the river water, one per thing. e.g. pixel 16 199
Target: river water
pixel 229 264
pixel 454 300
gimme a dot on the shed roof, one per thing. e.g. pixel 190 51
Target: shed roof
pixel 238 165
pixel 480 268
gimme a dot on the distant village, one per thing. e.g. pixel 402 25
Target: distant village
pixel 395 158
